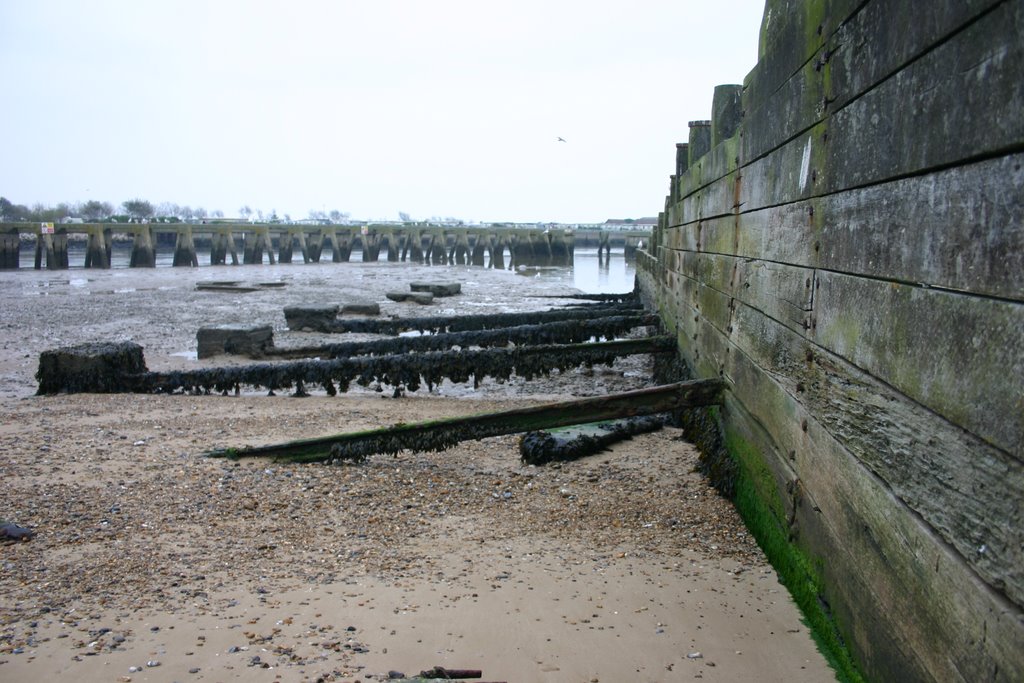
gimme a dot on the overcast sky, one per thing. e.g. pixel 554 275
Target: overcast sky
pixel 431 107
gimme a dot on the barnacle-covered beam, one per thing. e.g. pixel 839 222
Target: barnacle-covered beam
pixel 439 435
pixel 409 371
pixel 557 332
pixel 300 318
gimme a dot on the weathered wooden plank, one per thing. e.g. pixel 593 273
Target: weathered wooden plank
pixel 968 491
pixel 958 102
pixel 722 160
pixel 961 100
pixel 779 290
pixel 877 41
pixel 958 355
pixel 792 31
pixel 444 433
pixel 927 229
pixel 897 587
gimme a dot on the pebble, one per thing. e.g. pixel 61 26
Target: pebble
pixel 695 655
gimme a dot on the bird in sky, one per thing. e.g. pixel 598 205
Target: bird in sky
pixel 561 139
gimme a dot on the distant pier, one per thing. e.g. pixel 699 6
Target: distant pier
pixel 250 243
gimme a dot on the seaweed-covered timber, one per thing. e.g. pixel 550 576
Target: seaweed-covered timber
pixel 98 368
pixel 76 369
pixel 303 318
pixel 558 332
pixel 442 434
pixel 577 441
pixel 607 298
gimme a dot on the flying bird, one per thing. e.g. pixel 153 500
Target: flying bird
pixel 561 139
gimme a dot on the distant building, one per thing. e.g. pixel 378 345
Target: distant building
pixel 647 223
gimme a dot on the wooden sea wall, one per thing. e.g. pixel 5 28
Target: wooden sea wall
pixel 848 254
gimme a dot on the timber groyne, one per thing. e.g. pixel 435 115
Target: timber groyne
pixel 843 244
pixel 250 244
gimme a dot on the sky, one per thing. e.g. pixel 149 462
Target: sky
pixel 434 108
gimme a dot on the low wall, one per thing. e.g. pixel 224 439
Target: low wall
pixel 848 253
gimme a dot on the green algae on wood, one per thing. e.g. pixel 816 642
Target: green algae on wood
pixel 439 435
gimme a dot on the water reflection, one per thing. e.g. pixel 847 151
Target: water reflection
pixel 590 272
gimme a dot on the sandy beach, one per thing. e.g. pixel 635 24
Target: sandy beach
pixel 151 562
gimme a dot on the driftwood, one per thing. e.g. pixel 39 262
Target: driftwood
pixel 439 435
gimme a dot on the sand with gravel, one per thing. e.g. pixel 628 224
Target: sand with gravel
pixel 151 562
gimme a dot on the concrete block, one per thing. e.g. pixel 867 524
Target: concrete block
pixel 437 288
pixel 422 298
pixel 310 318
pixel 233 339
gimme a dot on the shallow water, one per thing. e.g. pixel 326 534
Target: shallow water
pixel 588 273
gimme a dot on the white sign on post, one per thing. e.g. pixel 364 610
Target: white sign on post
pixel 46 228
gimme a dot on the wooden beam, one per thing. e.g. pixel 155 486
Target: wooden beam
pixel 439 435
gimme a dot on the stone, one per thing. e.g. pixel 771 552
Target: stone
pixel 310 318
pixel 422 298
pixel 361 308
pixel 437 288
pixel 233 339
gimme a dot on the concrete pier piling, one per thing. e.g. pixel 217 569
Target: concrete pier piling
pixel 97 250
pixel 10 249
pixel 185 250
pixel 54 249
pixel 222 243
pixel 254 244
pixel 143 249
pixel 460 249
pixel 419 243
pixel 394 241
pixel 604 246
pixel 315 246
pixel 437 252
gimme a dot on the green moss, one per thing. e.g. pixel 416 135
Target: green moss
pixel 758 502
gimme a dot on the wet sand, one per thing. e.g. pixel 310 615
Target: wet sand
pixel 621 566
